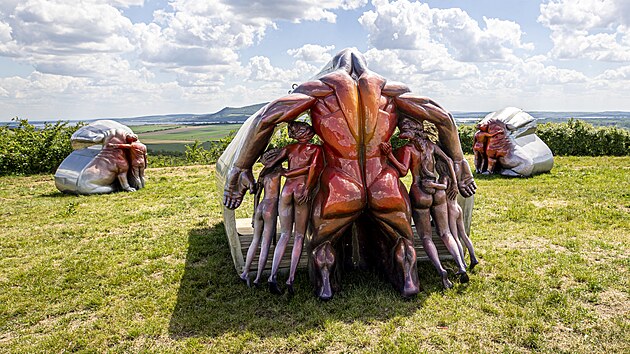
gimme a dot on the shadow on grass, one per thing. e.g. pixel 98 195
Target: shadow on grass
pixel 57 195
pixel 213 301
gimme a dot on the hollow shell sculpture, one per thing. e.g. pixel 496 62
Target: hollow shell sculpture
pixel 108 157
pixel 506 144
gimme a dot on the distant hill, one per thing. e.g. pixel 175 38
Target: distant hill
pixel 225 115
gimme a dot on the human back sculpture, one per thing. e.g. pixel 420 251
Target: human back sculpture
pixel 353 110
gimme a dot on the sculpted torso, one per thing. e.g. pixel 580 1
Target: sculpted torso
pixel 352 118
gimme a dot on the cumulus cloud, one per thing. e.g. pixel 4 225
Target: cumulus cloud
pixel 410 25
pixel 293 10
pixel 261 69
pixel 312 53
pixel 590 29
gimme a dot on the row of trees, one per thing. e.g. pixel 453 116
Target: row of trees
pixel 26 149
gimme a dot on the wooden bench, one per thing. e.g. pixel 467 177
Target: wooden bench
pixel 240 235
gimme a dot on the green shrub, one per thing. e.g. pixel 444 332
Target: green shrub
pixel 578 138
pixel 26 149
pixel 467 137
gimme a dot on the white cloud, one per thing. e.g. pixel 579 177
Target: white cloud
pixel 292 10
pixel 591 29
pixel 415 26
pixel 261 69
pixel 312 53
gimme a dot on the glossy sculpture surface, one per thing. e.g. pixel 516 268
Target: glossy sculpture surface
pixel 108 157
pixel 506 144
pixel 353 111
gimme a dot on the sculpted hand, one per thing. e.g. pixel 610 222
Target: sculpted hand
pixel 386 148
pixel 303 198
pixel 451 192
pixel 238 182
pixel 465 180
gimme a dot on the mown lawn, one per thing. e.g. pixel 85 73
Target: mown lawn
pixel 151 271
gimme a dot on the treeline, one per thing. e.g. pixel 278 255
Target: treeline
pixel 26 149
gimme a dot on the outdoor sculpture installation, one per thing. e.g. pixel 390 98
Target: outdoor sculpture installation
pixel 428 197
pixel 353 110
pixel 92 169
pixel 506 144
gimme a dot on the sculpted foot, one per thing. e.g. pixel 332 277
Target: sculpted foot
pixel 324 260
pixel 274 288
pixel 463 276
pixel 445 282
pixel 245 278
pixel 290 288
pixel 473 263
pixel 405 257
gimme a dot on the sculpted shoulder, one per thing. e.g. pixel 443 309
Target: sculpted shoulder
pixel 314 88
pixel 393 89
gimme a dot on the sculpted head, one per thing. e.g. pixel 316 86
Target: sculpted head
pixel 351 61
pixel 269 156
pixel 409 128
pixel 300 131
pixel 130 138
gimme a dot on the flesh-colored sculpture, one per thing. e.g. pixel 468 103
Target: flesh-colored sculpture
pixel 428 196
pixel 479 148
pixel 92 169
pixel 265 212
pixel 512 147
pixel 305 162
pixel 137 159
pixel 353 110
pixel 456 216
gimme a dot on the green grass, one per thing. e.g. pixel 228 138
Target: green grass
pixel 190 133
pixel 147 128
pixel 151 272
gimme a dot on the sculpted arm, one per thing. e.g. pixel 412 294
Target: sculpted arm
pixel 313 174
pixel 402 160
pixel 423 108
pixel 288 108
pixel 451 190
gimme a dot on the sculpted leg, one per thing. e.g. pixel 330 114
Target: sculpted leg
pixel 323 256
pixel 124 183
pixel 286 228
pixel 422 218
pixel 301 223
pixel 478 162
pixel 464 237
pixel 404 273
pixel 440 217
pixel 253 247
pixel 323 259
pixel 268 232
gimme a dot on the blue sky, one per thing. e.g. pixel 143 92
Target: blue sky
pixel 66 59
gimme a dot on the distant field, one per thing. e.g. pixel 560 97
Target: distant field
pixel 142 129
pixel 174 138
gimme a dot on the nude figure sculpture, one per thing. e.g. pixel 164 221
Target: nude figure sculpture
pixel 265 213
pixel 353 110
pixel 305 162
pixel 456 216
pixel 428 196
pixel 137 159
